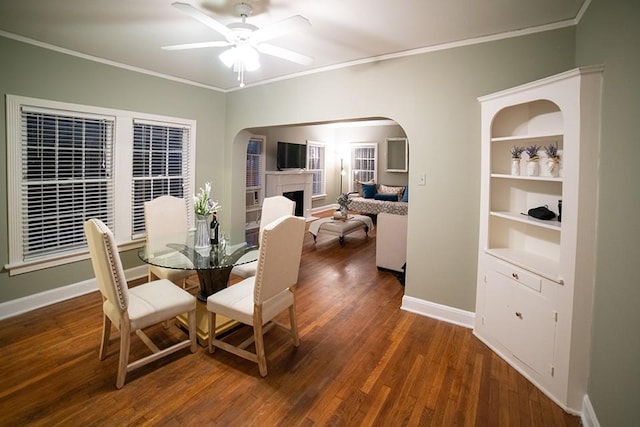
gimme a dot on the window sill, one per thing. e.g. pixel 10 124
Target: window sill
pixel 80 255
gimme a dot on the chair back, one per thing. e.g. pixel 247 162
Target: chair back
pixel 279 257
pixel 106 263
pixel 165 216
pixel 275 207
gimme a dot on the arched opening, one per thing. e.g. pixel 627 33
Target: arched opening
pixel 338 155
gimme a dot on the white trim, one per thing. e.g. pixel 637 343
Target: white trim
pixel 588 418
pixel 31 302
pixel 581 12
pixel 421 50
pixel 104 61
pixel 438 311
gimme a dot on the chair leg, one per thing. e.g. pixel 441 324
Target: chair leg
pixel 212 331
pixel 259 341
pixel 294 325
pixel 192 331
pixel 125 343
pixel 106 332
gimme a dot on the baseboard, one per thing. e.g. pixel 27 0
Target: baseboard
pixel 588 417
pixel 43 299
pixel 439 311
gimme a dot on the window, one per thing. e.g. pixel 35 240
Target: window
pixel 160 165
pixel 254 182
pixel 64 164
pixel 364 162
pixel 66 178
pixel 254 163
pixel 315 164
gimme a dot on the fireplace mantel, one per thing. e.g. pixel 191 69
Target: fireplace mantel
pixel 279 182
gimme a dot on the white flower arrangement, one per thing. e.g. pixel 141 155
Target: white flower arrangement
pixel 202 203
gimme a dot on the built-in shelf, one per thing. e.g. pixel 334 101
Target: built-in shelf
pixel 528 138
pixel 553 224
pixel 535 277
pixel 526 178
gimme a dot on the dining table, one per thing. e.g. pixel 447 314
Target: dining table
pixel 212 264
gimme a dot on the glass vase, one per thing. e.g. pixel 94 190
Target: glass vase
pixel 202 239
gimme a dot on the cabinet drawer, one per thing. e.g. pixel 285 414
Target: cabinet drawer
pixel 521 276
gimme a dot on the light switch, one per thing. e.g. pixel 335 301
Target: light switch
pixel 422 179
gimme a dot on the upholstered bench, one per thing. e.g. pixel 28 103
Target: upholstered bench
pixel 340 227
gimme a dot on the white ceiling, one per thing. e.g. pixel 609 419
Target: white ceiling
pixel 131 32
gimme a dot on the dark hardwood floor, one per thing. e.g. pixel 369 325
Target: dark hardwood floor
pixel 361 361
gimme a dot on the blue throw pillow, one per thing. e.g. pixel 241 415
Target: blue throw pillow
pixel 405 196
pixel 368 190
pixel 386 197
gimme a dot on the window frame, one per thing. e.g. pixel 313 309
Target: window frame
pixel 122 147
pixel 354 171
pixel 323 169
pixel 167 176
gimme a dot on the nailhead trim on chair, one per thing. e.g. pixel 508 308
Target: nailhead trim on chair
pixel 105 238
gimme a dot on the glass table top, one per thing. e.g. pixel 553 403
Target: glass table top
pixel 178 252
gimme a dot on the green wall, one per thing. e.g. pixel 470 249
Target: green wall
pixel 32 71
pixel 434 98
pixel 609 34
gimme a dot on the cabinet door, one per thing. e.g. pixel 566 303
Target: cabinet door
pixel 522 320
pixel 534 320
pixel 497 313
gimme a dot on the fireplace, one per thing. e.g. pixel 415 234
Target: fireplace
pixel 298 197
pixel 295 185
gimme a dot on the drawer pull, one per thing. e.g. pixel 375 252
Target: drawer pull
pixel 519 315
pixel 515 276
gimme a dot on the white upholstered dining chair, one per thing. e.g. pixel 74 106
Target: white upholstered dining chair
pixel 137 308
pixel 256 300
pixel 273 208
pixel 166 216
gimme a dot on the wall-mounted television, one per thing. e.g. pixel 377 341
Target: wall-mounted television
pixel 291 155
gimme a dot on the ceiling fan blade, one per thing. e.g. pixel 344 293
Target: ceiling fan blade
pixel 289 55
pixel 205 19
pixel 196 45
pixel 280 28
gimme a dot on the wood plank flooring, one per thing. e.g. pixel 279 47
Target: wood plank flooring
pixel 361 361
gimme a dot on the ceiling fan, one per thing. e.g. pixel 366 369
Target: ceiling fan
pixel 245 41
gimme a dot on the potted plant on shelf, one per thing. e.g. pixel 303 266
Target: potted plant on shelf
pixel 533 166
pixel 553 159
pixel 516 154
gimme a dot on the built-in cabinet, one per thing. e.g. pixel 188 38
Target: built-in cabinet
pixel 535 277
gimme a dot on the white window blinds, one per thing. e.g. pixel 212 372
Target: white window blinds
pixel 315 164
pixel 160 165
pixel 67 172
pixel 363 161
pixel 254 164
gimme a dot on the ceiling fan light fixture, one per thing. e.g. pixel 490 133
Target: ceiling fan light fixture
pixel 243 56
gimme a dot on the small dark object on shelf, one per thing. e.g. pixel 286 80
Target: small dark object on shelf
pixel 541 212
pixel 559 210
